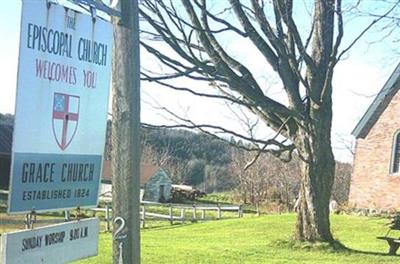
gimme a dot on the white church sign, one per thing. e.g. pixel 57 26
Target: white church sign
pixel 54 244
pixel 61 108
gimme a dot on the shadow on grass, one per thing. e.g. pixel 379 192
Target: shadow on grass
pixel 205 201
pixel 157 225
pixel 356 251
pixel 371 253
pixel 166 227
pixel 332 247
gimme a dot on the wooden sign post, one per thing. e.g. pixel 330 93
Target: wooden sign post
pixel 126 134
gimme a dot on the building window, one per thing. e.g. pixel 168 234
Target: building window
pixel 396 153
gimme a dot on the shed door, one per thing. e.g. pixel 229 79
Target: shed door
pixel 161 193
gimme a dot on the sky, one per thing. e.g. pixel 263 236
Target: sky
pixel 357 79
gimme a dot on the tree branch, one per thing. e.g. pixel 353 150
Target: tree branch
pixel 366 29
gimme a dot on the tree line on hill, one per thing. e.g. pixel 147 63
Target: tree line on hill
pixel 213 165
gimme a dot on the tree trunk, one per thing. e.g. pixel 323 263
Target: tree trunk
pixel 317 172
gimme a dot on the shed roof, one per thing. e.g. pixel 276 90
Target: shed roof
pixel 6 132
pixel 379 105
pixel 146 172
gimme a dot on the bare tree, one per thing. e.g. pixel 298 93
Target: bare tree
pixel 164 160
pixel 287 180
pixel 341 187
pixel 240 175
pixel 268 180
pixel 303 59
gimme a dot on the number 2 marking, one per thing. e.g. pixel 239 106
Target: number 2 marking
pixel 117 235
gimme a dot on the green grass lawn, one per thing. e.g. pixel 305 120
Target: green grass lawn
pixel 256 240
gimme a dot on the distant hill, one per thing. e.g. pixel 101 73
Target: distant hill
pixel 190 158
pixel 7 119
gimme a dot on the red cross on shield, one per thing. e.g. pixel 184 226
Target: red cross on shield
pixel 65 118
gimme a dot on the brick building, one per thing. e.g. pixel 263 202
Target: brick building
pixel 376 175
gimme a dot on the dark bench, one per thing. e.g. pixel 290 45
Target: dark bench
pixel 394 244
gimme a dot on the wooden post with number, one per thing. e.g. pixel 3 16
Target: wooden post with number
pixel 126 133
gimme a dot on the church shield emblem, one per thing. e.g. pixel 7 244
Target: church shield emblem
pixel 65 118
